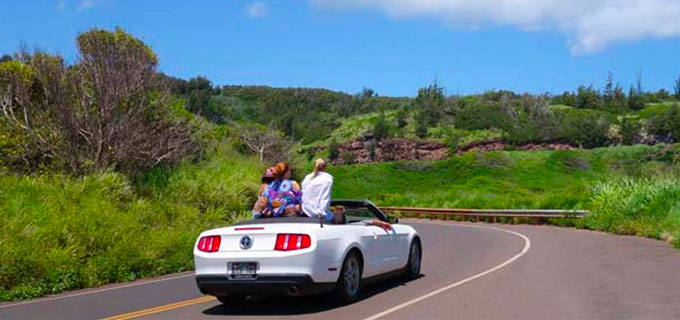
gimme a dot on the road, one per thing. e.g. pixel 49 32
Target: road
pixel 470 271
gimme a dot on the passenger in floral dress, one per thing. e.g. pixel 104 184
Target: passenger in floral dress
pixel 282 197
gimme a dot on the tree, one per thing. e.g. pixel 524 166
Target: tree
pixel 676 88
pixel 402 114
pixel 198 102
pixel 269 145
pixel 613 97
pixel 199 83
pixel 630 131
pixel 567 98
pixel 5 58
pixel 541 125
pixel 662 95
pixel 367 93
pixel 429 104
pixel 381 128
pixel 619 100
pixel 588 98
pixel 639 83
pixel 587 130
pixel 635 99
pixel 107 111
pixel 609 88
pixel 421 129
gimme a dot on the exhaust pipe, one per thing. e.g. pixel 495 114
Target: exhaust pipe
pixel 294 291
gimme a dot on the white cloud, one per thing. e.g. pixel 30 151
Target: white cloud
pixel 591 25
pixel 86 5
pixel 61 5
pixel 257 9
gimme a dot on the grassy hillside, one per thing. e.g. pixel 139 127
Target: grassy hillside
pixel 629 190
pixel 59 232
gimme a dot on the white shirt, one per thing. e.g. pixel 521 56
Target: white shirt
pixel 316 195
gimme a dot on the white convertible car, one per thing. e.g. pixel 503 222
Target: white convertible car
pixel 297 256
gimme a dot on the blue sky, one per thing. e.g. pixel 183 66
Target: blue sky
pixel 393 47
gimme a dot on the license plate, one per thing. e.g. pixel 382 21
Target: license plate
pixel 242 270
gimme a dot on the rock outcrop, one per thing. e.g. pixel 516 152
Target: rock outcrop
pixel 366 149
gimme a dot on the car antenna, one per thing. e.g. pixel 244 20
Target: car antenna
pixel 321 221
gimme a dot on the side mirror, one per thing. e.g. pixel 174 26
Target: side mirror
pixel 393 220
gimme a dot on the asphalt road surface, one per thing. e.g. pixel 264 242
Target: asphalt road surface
pixel 470 271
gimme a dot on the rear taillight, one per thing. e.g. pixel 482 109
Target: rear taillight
pixel 209 243
pixel 289 241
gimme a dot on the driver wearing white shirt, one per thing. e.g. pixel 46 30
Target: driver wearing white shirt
pixel 316 192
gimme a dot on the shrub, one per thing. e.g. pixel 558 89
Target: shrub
pixel 333 150
pixel 381 128
pixel 666 124
pixel 104 112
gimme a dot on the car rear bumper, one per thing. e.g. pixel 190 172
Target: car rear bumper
pixel 263 285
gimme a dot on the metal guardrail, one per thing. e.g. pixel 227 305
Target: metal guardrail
pixel 493 213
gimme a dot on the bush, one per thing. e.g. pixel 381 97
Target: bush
pixel 585 128
pixel 104 112
pixel 666 124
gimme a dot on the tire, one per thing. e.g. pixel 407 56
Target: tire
pixel 231 299
pixel 348 288
pixel 415 255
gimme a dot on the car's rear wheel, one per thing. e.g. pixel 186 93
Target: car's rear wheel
pixel 231 299
pixel 349 283
pixel 414 260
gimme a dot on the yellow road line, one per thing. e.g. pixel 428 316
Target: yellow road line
pixel 158 309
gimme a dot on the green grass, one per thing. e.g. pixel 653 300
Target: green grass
pixel 475 180
pixel 643 207
pixel 629 190
pixel 654 109
pixel 59 232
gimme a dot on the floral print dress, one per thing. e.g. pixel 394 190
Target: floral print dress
pixel 279 199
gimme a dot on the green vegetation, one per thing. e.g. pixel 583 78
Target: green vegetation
pixel 648 207
pixel 630 190
pixel 474 180
pixel 110 169
pixel 59 232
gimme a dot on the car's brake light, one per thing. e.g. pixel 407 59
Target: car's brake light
pixel 291 241
pixel 209 243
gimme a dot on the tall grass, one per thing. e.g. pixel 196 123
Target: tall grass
pixel 629 190
pixel 59 232
pixel 637 206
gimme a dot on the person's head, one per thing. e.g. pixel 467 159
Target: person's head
pixel 339 215
pixel 282 171
pixel 268 176
pixel 319 166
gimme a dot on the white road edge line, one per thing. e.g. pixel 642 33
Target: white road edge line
pixel 527 245
pixel 142 282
